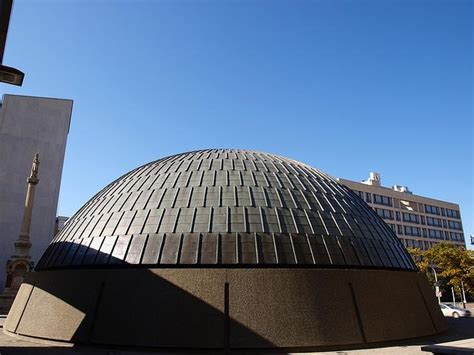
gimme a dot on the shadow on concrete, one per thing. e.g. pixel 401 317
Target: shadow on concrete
pixel 115 311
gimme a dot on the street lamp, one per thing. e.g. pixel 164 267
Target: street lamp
pixel 438 293
pixel 8 75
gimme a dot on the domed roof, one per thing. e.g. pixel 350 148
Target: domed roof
pixel 226 207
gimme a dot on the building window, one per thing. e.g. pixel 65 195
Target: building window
pixel 436 222
pixel 455 225
pixel 368 197
pixel 399 230
pixel 432 209
pixel 397 215
pixel 422 218
pixel 452 213
pixel 385 214
pixel 434 233
pixel 425 232
pixel 382 200
pixel 414 231
pixel 410 217
pixel 457 236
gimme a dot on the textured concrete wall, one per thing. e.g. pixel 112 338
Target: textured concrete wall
pixel 29 125
pixel 219 308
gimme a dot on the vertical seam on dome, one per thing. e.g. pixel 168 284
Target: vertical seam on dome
pixel 335 222
pixel 144 221
pixel 180 247
pixel 294 220
pixel 220 197
pixel 265 197
pixel 290 237
pixel 251 199
pixel 293 198
pixel 175 224
pixel 175 181
pixel 164 180
pixel 262 219
pixel 217 257
pixel 211 212
pixel 310 248
pixel 148 198
pixel 199 164
pixel 323 223
pixel 277 178
pixel 228 220
pixel 278 193
pixel 287 176
pixel 175 197
pixel 132 205
pixel 193 220
pixel 190 196
pixel 237 249
pixel 317 200
pixel 329 203
pixel 158 225
pixel 245 219
pixel 309 221
pixel 257 252
pixel 204 197
pixel 198 249
pixel 278 220
pixel 131 221
pixel 341 249
pixel 162 246
pixel 158 205
pixel 327 250
pixel 201 178
pixel 275 248
pixel 266 180
pixel 236 197
pixel 254 180
pixel 305 200
pixel 189 179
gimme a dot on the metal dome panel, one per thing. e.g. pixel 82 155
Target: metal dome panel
pixel 227 208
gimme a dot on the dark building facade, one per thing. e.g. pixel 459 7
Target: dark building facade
pixel 226 249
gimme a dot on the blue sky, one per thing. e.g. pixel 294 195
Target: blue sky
pixel 345 86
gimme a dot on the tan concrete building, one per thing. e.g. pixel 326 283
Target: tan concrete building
pixel 418 221
pixel 30 125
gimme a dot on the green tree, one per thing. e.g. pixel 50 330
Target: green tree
pixel 452 263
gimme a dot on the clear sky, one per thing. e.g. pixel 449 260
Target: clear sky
pixel 345 86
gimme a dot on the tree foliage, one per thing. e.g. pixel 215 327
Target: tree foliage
pixel 452 264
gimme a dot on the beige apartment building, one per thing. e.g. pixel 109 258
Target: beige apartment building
pixel 418 221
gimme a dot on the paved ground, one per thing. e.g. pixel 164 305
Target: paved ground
pixel 460 331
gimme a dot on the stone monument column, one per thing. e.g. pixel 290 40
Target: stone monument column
pixel 20 262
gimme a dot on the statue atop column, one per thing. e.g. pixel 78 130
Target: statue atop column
pixel 20 262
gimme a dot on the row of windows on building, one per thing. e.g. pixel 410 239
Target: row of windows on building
pixel 414 218
pixel 422 244
pixel 426 232
pixel 388 201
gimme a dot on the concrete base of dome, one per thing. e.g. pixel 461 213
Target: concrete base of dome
pixel 225 308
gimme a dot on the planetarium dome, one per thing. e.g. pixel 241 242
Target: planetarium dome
pixel 225 248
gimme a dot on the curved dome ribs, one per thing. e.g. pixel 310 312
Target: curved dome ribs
pixel 226 207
